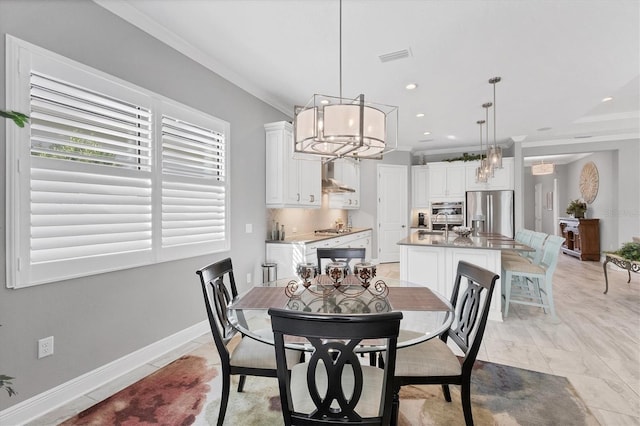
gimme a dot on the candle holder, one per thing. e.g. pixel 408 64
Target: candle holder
pixel 307 272
pixel 336 271
pixel 365 272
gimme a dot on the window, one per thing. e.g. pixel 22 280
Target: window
pixel 107 176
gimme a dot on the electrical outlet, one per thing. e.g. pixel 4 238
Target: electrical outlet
pixel 45 347
pixel 249 278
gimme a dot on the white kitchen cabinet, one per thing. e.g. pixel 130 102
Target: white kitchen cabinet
pixel 289 182
pixel 288 255
pixel 420 187
pixel 446 181
pixel 348 172
pixel 503 178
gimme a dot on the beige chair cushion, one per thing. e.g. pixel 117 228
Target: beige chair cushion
pixel 519 266
pixel 369 403
pixel 254 354
pixel 431 358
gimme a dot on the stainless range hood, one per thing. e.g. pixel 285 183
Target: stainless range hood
pixel 329 183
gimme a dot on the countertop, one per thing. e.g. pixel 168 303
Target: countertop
pixel 484 241
pixel 311 237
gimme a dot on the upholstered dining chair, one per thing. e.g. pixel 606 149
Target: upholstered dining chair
pixel 248 357
pixel 348 255
pixel 434 362
pixel 333 387
pixel 528 283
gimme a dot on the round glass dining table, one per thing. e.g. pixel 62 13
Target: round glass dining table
pixel 426 314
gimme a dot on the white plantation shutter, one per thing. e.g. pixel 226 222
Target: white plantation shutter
pixel 90 181
pixel 106 175
pixel 193 186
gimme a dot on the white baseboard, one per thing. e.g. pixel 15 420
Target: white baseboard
pixel 51 399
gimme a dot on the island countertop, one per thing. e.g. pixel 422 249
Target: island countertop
pixel 483 241
pixel 311 237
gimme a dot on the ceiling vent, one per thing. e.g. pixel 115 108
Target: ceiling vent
pixel 394 56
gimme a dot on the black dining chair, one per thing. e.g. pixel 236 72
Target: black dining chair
pixel 346 254
pixel 433 362
pixel 333 387
pixel 248 357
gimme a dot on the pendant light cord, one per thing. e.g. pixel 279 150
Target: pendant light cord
pixel 340 32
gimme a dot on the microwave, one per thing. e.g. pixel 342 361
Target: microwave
pixel 454 210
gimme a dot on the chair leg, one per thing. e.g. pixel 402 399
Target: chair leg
pixel 507 292
pixel 224 399
pixel 241 383
pixel 395 405
pixel 446 392
pixel 465 396
pixel 548 291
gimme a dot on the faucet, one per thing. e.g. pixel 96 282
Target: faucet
pixel 446 225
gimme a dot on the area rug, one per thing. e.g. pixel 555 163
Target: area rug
pixel 187 392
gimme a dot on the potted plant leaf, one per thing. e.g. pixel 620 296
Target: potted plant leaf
pixel 576 208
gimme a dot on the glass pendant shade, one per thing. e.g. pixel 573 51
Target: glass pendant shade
pixel 481 175
pixel 495 154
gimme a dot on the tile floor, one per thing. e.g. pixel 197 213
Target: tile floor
pixel 595 343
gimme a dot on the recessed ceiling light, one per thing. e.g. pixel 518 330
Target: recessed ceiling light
pixel 544 129
pixel 426 133
pixel 420 114
pixel 411 86
pixel 452 137
pixel 324 101
pixel 607 99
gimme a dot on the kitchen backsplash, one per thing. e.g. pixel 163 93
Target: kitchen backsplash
pixel 306 220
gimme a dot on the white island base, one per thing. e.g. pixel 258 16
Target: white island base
pixel 434 266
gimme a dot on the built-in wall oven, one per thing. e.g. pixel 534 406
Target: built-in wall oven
pixel 449 213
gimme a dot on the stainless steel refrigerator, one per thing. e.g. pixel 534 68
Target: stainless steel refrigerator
pixel 490 211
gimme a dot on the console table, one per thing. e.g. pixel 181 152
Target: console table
pixel 582 237
pixel 620 262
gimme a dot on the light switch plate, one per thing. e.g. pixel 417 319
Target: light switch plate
pixel 248 228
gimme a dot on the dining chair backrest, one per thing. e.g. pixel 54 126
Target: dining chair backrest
pixel 471 309
pixel 537 242
pixel 347 254
pixel 334 381
pixel 523 236
pixel 550 253
pixel 217 295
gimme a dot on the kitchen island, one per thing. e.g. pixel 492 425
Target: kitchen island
pixel 430 259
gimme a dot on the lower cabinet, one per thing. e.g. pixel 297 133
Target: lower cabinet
pixel 435 267
pixel 287 255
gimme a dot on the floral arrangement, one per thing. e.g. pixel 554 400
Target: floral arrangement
pixel 577 208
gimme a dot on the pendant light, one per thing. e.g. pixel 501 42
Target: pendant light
pixel 495 153
pixel 336 127
pixel 486 164
pixel 481 176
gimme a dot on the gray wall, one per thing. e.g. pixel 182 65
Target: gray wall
pixel 98 319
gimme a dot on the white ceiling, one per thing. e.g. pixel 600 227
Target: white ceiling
pixel 557 58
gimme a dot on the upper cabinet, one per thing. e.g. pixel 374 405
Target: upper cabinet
pixel 419 187
pixel 503 178
pixel 446 181
pixel 348 172
pixel 289 182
